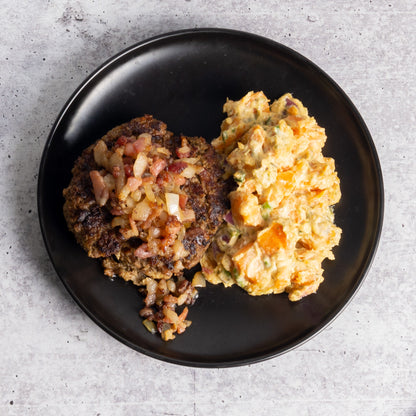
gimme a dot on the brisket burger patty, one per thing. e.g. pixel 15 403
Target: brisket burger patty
pixel 145 201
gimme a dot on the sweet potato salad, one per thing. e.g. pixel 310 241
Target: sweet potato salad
pixel 281 224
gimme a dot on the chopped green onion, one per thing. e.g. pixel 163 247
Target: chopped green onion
pixel 239 176
pixel 266 205
pixel 266 262
pixel 227 273
pixel 241 281
pixel 224 136
pixel 233 231
pixel 266 208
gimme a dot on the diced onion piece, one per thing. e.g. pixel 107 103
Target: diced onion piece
pixel 170 316
pixel 172 205
pixel 110 181
pixel 127 233
pixel 124 193
pixel 182 299
pixel 119 222
pixel 149 193
pixel 190 160
pixel 162 288
pixel 141 211
pixel 151 286
pixel 116 166
pixel 140 165
pixel 100 189
pixel 199 280
pixel 227 262
pixel 150 326
pixel 100 154
pixel 136 195
pixel 184 151
pixel 171 285
pixel 133 226
pixel 188 215
pixel 179 250
pixel 181 233
pixel 146 138
pixel 130 202
pixel 163 150
pixel 190 171
pixel 154 232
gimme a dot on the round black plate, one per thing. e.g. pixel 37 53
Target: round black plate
pixel 184 78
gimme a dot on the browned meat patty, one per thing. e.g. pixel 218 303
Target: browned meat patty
pixel 145 201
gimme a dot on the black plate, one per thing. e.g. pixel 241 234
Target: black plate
pixel 183 78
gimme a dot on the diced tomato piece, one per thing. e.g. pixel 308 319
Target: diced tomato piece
pixel 121 141
pixel 157 166
pixel 129 150
pixel 182 200
pixel 163 177
pixel 142 252
pixel 128 170
pixel 177 166
pixel 183 152
pixel 140 144
pixel 179 180
pixel 133 183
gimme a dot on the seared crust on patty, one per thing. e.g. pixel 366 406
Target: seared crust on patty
pixel 204 193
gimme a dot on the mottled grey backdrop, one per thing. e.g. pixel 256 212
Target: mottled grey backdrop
pixel 55 361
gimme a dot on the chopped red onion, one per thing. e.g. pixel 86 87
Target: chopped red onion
pixel 289 102
pixel 229 218
pixel 225 238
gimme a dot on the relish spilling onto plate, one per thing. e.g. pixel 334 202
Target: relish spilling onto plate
pixel 281 224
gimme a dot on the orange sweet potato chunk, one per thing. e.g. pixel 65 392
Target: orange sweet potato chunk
pixel 272 239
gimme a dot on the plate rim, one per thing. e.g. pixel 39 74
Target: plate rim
pixel 379 185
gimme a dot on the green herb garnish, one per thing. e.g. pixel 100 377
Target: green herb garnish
pixel 266 208
pixel 239 176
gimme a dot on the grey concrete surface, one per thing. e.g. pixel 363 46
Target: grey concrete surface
pixel 55 361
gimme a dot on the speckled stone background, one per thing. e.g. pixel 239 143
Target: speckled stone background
pixel 55 361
